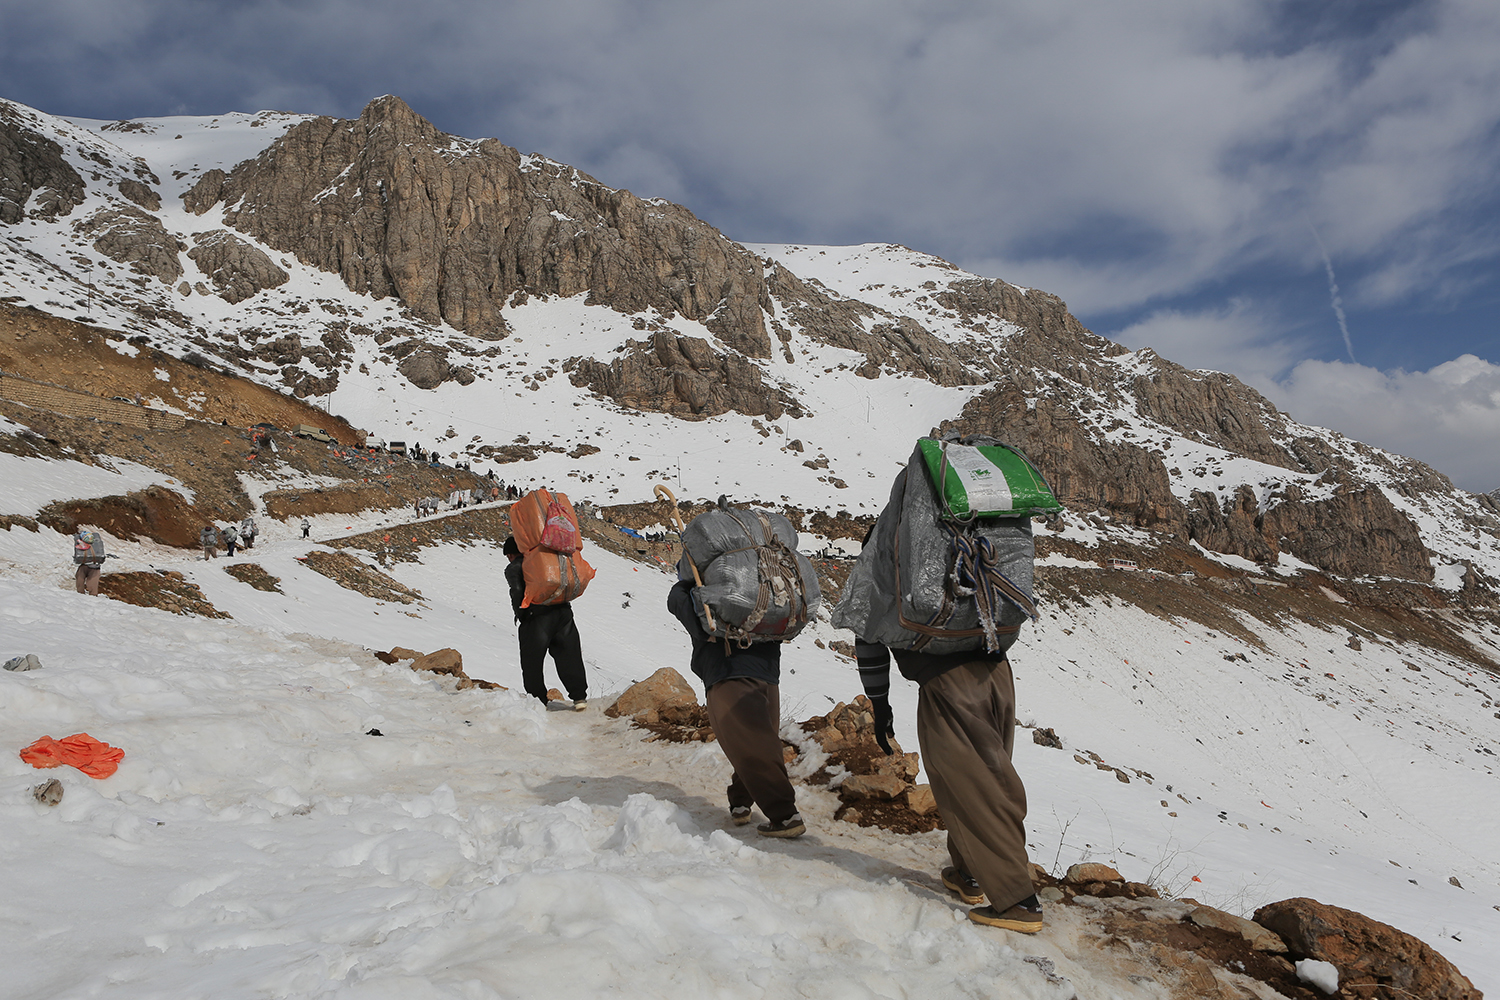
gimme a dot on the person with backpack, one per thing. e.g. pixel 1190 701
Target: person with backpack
pixel 209 538
pixel 742 590
pixel 88 555
pixel 943 583
pixel 306 527
pixel 543 629
pixel 247 532
pixel 742 692
pixel 231 539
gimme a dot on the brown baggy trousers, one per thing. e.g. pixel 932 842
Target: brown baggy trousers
pixel 966 723
pixel 86 579
pixel 746 716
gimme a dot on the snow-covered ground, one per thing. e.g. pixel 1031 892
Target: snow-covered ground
pixel 257 841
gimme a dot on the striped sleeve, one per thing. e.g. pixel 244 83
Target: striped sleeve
pixel 874 668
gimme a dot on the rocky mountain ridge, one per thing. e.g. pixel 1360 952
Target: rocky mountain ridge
pixel 315 252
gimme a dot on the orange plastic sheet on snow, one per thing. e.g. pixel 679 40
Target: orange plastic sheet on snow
pixel 95 759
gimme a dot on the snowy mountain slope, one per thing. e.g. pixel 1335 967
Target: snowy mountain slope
pixel 578 370
pixel 257 839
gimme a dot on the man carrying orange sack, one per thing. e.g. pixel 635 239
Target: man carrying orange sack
pixel 543 629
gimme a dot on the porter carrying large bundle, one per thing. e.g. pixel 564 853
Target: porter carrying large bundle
pixel 947 568
pixel 88 547
pixel 546 531
pixel 756 586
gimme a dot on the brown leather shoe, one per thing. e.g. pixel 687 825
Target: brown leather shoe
pixel 962 884
pixel 1021 919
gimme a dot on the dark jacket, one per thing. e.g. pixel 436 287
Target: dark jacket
pixel 712 662
pixel 517 580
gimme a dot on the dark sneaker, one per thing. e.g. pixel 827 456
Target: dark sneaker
pixel 792 826
pixel 740 815
pixel 962 884
pixel 1019 918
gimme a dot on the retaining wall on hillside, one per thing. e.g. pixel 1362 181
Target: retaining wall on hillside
pixel 75 403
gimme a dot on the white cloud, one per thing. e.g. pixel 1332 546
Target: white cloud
pixel 1448 417
pixel 1239 338
pixel 1115 154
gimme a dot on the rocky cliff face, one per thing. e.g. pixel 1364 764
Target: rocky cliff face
pixel 455 228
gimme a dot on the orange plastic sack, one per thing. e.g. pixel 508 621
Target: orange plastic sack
pixel 95 759
pixel 552 578
pixel 528 517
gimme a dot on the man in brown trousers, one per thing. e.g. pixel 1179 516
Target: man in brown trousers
pixel 743 697
pixel 966 722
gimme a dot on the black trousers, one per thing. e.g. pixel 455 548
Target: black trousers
pixel 551 630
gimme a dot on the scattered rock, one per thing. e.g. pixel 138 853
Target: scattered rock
pixel 49 792
pixel 1259 937
pixel 871 786
pixel 920 801
pixel 1046 738
pixel 443 661
pixel 26 661
pixel 661 693
pixel 402 653
pixel 1092 872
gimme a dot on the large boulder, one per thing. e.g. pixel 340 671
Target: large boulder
pixel 443 661
pixel 662 692
pixel 1374 960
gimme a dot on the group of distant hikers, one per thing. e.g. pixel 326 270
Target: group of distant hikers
pixel 231 536
pixel 943 584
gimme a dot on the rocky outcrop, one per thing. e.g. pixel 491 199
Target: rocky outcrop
pixel 129 236
pixel 237 269
pixel 141 193
pixel 32 164
pixel 1084 472
pixel 425 368
pixel 1356 532
pixel 1374 959
pixel 683 376
pixel 891 343
pixel 454 228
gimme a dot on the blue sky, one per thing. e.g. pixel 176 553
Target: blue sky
pixel 1193 177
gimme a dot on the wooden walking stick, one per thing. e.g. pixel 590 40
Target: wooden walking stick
pixel 662 493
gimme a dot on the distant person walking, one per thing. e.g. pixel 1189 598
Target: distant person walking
pixel 231 539
pixel 209 538
pixel 543 629
pixel 88 554
pixel 306 527
pixel 247 532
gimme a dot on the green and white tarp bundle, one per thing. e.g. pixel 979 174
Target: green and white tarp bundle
pixel 926 581
pixel 985 480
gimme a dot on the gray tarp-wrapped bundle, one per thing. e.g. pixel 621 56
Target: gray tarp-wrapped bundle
pixel 756 586
pixel 904 592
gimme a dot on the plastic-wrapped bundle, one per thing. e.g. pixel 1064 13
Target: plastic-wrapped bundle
pixel 920 580
pixel 552 577
pixel 528 517
pixel 756 586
